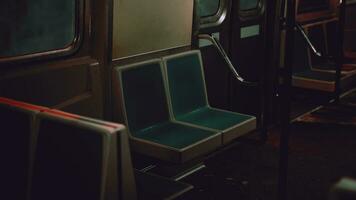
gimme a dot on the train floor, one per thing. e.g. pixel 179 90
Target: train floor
pixel 320 154
pixel 319 157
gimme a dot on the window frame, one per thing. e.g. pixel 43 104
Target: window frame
pixel 55 53
pixel 310 10
pixel 252 13
pixel 316 15
pixel 217 19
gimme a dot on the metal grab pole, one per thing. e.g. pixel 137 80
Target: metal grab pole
pixel 340 56
pixel 307 39
pixel 286 99
pixel 226 58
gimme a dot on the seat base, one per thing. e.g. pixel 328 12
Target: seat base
pixel 151 186
pixel 318 80
pixel 175 142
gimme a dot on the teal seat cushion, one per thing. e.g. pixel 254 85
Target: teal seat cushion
pixel 316 75
pixel 173 135
pixel 186 83
pixel 188 96
pixel 214 119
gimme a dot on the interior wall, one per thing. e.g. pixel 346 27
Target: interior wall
pixel 141 26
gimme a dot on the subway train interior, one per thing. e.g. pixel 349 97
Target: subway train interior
pixel 178 99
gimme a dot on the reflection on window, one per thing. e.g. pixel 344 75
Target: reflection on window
pixel 33 26
pixel 208 7
pixel 248 4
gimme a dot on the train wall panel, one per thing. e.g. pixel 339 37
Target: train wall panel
pixel 73 87
pixel 142 27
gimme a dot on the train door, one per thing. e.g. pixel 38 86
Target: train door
pixel 247 50
pixel 241 28
pixel 253 47
pixel 213 17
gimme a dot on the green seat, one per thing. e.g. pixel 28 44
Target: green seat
pixel 188 98
pixel 141 89
pixel 213 118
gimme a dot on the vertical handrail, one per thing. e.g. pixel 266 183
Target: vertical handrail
pixel 285 95
pixel 340 56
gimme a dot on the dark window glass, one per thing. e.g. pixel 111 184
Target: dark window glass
pixel 312 5
pixel 34 26
pixel 208 7
pixel 248 4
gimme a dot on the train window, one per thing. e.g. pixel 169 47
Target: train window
pixel 212 12
pixel 351 2
pixel 312 6
pixel 30 28
pixel 250 8
pixel 208 7
pixel 248 4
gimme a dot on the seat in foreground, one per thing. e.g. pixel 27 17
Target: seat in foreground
pixel 77 158
pixel 17 141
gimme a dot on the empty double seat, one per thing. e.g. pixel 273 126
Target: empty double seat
pixel 314 75
pixel 167 111
pixel 327 34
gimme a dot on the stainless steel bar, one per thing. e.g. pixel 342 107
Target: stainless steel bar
pixel 222 52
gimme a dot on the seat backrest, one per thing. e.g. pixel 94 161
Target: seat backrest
pixel 300 54
pixel 17 125
pixel 143 94
pixel 80 158
pixel 186 84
